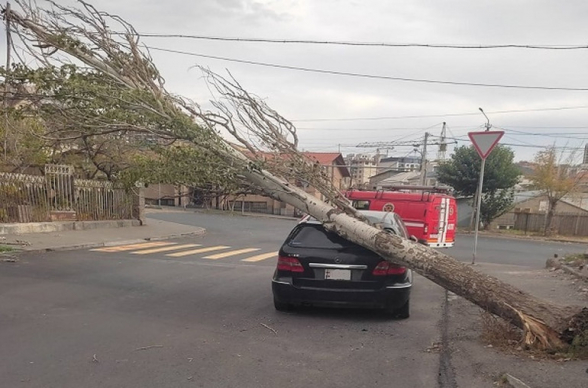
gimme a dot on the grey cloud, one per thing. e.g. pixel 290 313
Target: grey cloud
pixel 299 95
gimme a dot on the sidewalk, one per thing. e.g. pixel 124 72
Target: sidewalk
pixel 77 239
pixel 173 209
pixel 530 236
pixel 480 364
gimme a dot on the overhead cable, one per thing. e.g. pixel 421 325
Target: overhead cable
pixel 369 76
pixel 367 44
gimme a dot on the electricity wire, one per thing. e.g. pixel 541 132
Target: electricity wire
pixel 368 76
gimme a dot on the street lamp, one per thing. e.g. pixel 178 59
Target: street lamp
pixel 487 125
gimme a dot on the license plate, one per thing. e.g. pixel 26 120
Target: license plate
pixel 337 274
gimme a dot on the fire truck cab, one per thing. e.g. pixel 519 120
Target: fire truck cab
pixel 430 213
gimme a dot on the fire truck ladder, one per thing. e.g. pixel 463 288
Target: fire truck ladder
pixel 442 223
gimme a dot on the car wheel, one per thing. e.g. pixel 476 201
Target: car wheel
pixel 282 306
pixel 402 312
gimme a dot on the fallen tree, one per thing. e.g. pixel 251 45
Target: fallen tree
pixel 264 138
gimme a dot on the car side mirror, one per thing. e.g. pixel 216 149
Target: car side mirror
pixel 413 238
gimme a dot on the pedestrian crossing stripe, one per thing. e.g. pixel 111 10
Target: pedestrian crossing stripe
pixel 165 249
pixel 122 248
pixel 161 246
pixel 230 253
pixel 196 251
pixel 261 257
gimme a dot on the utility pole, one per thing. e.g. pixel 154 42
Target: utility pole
pixel 442 145
pixel 6 83
pixel 424 160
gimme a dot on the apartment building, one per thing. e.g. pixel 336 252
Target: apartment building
pixel 362 167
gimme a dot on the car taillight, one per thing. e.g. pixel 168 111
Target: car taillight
pixel 289 264
pixel 385 268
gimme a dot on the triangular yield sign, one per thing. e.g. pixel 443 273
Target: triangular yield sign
pixel 484 142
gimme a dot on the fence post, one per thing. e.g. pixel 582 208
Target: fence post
pixel 139 205
pixel 526 222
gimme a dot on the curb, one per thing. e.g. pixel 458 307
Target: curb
pixel 528 237
pixel 226 213
pixel 248 214
pixel 199 232
pixel 23 229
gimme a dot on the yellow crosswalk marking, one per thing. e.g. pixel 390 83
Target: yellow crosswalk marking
pixel 231 253
pixel 263 256
pixel 122 248
pixel 165 249
pixel 196 251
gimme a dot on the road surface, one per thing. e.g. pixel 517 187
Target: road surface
pixel 198 312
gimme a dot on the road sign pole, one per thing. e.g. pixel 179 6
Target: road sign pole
pixel 484 143
pixel 478 207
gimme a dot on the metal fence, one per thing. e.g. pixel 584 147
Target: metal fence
pixel 60 185
pixel 30 198
pixel 251 207
pixel 565 224
pixel 99 200
pixel 23 198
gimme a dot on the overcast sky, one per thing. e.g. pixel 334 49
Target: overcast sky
pixel 372 110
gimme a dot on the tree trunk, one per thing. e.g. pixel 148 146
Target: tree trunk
pixel 546 325
pixel 549 217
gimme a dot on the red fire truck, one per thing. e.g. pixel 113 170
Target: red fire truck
pixel 430 213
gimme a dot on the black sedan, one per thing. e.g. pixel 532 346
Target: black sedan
pixel 318 267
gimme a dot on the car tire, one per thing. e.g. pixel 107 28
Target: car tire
pixel 282 306
pixel 402 312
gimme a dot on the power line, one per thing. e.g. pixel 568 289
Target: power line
pixel 548 127
pixel 359 129
pixel 365 44
pixel 464 138
pixel 443 115
pixel 522 142
pixel 564 135
pixel 368 76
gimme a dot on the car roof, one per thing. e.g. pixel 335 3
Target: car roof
pixel 374 216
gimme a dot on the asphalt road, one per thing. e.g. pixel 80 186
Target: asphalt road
pixel 117 319
pixel 491 249
pixel 514 251
pixel 114 318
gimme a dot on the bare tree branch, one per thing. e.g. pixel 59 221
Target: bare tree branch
pixel 266 156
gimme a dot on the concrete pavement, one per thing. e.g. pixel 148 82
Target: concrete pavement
pixel 478 363
pixel 77 239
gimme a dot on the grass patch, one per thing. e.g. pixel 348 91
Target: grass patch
pixel 5 248
pixel 579 346
pixel 575 260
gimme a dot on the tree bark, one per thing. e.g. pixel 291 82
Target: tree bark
pixel 546 325
pixel 549 217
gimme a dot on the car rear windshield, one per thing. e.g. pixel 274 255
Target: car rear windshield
pixel 315 236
